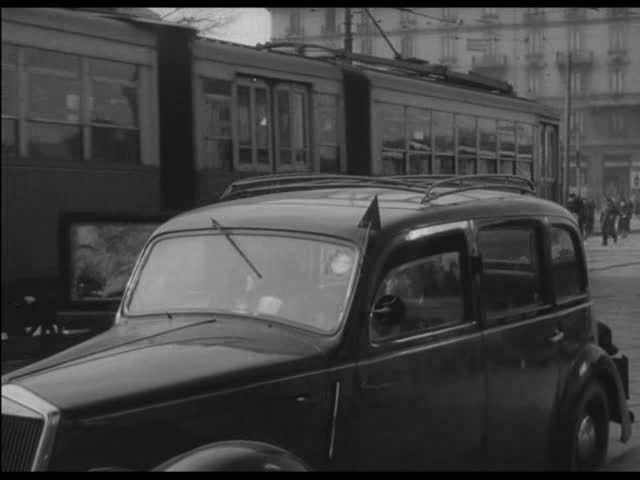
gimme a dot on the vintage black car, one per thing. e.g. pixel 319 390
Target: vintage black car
pixel 337 322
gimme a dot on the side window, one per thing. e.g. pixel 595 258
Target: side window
pixel 512 277
pixel 568 276
pixel 432 292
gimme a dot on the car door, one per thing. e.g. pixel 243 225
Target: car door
pixel 421 384
pixel 521 341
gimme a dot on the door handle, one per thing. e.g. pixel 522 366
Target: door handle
pixel 558 336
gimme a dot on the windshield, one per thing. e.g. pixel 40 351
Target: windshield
pixel 301 281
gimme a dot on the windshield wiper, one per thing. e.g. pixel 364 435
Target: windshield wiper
pixel 224 232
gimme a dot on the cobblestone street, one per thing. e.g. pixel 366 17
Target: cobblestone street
pixel 615 287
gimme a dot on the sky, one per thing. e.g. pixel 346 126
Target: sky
pixel 250 25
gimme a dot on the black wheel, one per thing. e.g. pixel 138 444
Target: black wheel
pixel 590 433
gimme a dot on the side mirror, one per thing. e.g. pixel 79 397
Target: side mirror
pixel 388 311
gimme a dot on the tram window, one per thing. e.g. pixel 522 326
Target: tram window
pixel 392 163
pixel 488 140
pixel 506 146
pixel 524 165
pixel 114 112
pixel 466 144
pixel 443 133
pixel 254 126
pixel 326 108
pixel 419 140
pixel 292 143
pixel 216 135
pixel 394 143
pixel 9 102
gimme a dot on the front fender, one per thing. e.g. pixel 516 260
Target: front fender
pixel 234 456
pixel 593 363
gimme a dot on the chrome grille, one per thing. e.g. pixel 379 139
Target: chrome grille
pixel 29 425
pixel 20 440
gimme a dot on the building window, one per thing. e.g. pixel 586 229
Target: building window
pixel 467 144
pixel 295 22
pixel 616 81
pixel 578 83
pixel 292 143
pixel 617 125
pixel 533 82
pixel 448 47
pixel 535 42
pixel 618 12
pixel 617 36
pixel 407 46
pixel 9 102
pixel 488 143
pixel 365 27
pixel 577 123
pixel 366 46
pixel 576 13
pixel 329 20
pixel 327 134
pixel 76 108
pixel 576 39
pixel 448 13
pixel 507 147
pixel 217 149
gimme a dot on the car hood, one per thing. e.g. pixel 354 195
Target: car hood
pixel 150 360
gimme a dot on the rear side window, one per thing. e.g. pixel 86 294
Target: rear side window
pixel 568 275
pixel 511 269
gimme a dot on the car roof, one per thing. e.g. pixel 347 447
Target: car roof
pixel 338 211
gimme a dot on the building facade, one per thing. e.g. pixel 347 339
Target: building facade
pixel 531 49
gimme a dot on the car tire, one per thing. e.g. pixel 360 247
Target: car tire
pixel 589 430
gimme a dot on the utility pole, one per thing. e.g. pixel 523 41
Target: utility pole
pixel 348 34
pixel 567 131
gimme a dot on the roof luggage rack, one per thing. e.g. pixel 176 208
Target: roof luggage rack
pixel 413 66
pixel 423 184
pixel 288 182
pixel 426 184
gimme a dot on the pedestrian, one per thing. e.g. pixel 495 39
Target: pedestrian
pixel 608 221
pixel 629 215
pixel 575 205
pixel 590 210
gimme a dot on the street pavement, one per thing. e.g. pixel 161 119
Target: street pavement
pixel 615 289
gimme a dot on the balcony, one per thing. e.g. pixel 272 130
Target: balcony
pixel 489 62
pixel 535 60
pixel 618 56
pixel 578 58
pixel 490 17
pixel 534 18
pixel 619 12
pixel 407 23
